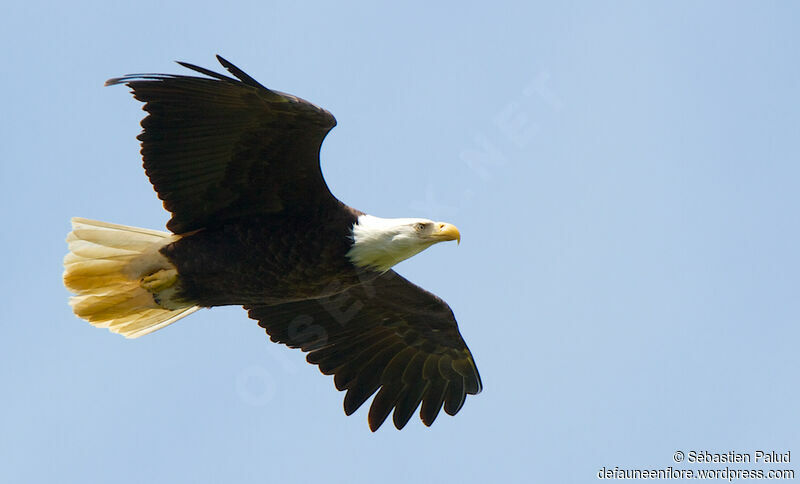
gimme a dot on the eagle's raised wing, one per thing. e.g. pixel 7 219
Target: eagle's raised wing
pixel 219 148
pixel 387 335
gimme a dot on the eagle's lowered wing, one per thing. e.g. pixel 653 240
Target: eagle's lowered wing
pixel 387 335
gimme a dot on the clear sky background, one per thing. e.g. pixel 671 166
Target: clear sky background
pixel 624 174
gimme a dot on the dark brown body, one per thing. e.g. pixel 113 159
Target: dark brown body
pixel 268 260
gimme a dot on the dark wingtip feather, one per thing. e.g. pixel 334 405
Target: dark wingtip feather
pixel 472 379
pixel 114 81
pixel 127 78
pixel 240 74
pixel 363 388
pixel 432 402
pixel 382 405
pixel 352 402
pixel 473 384
pixel 411 396
pixel 203 70
pixel 455 396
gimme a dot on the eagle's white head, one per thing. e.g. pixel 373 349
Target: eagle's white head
pixel 380 243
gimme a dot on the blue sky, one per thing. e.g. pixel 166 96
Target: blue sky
pixel 624 175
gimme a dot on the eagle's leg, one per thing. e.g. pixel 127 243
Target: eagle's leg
pixel 159 280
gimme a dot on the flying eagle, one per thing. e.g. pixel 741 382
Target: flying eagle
pixel 254 224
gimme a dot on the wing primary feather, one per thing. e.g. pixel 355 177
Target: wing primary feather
pixel 208 72
pixel 472 383
pixel 432 401
pixel 382 404
pixel 455 396
pixel 472 380
pixel 412 392
pixel 240 73
pixel 408 402
pixel 360 391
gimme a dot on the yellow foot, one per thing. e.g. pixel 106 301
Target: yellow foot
pixel 159 280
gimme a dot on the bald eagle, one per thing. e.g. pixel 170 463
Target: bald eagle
pixel 254 224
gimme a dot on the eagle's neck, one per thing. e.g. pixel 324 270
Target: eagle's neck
pixel 380 243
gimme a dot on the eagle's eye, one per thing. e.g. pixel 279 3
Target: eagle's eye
pixel 420 226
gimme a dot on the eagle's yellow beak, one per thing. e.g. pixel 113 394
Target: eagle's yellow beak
pixel 445 231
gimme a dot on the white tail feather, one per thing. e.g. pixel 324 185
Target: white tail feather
pixel 104 270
